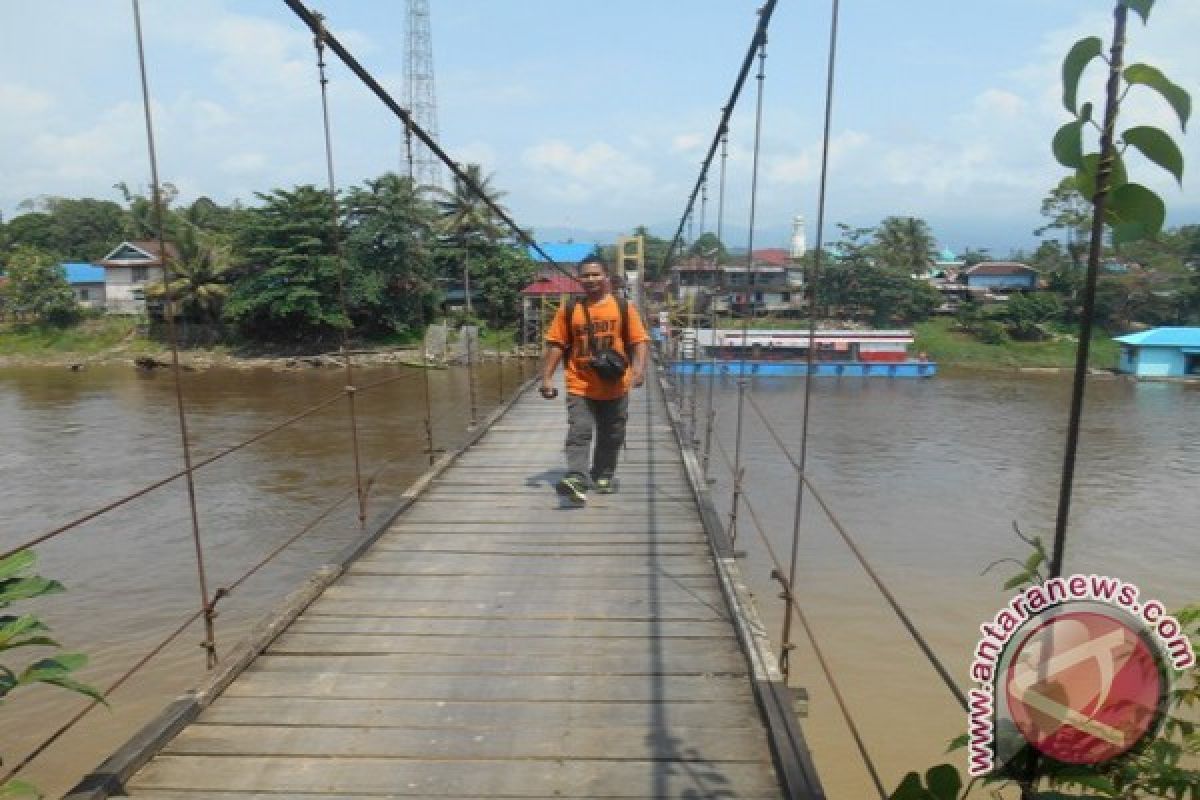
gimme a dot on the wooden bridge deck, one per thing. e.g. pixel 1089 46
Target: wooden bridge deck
pixel 494 644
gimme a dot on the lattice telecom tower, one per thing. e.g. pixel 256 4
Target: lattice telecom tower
pixel 418 85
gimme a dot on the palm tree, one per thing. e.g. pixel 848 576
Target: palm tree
pixel 906 242
pixel 199 284
pixel 467 219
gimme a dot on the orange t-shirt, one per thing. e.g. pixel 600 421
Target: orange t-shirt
pixel 606 325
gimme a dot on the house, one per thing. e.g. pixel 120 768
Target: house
pixel 772 284
pixel 87 284
pixel 127 270
pixel 1160 353
pixel 1002 276
pixel 540 299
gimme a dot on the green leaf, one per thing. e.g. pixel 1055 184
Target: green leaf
pixel 911 789
pixel 944 782
pixel 958 742
pixel 1134 212
pixel 12 627
pixel 17 562
pixel 1158 147
pixel 1034 561
pixel 1142 7
pixel 1078 57
pixel 1085 178
pixel 1017 580
pixel 75 686
pixel 54 667
pixel 1085 112
pixel 1150 76
pixel 1068 144
pixel 15 589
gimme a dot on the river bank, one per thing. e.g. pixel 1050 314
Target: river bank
pixel 117 341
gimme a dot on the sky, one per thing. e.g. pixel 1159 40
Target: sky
pixel 592 117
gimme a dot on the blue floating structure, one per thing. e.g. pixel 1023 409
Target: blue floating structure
pixel 1161 353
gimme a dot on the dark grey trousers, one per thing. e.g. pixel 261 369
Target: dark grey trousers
pixel 607 418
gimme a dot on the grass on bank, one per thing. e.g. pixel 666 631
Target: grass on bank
pixel 943 343
pixel 90 336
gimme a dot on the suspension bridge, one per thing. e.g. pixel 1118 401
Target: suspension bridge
pixel 486 642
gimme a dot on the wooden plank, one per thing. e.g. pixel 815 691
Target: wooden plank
pixel 417 714
pixel 469 743
pixel 710 662
pixel 495 688
pixel 583 609
pixel 512 778
pixel 514 628
pixel 633 648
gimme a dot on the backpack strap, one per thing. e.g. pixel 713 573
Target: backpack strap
pixel 622 306
pixel 569 313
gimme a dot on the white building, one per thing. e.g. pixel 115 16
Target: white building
pixel 127 270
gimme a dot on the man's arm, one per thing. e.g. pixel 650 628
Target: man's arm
pixel 550 359
pixel 637 375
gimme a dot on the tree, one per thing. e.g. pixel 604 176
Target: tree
pixel 35 229
pixel 37 287
pixel 906 243
pixel 199 279
pixel 287 286
pixel 1026 313
pixel 709 248
pixel 654 251
pixel 390 235
pixel 467 219
pixel 140 222
pixel 82 229
pixel 1069 211
pixel 507 270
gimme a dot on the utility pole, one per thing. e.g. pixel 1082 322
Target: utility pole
pixel 419 91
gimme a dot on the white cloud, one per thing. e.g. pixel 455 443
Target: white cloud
pixel 594 172
pixel 687 142
pixel 244 164
pixel 20 101
pixel 804 167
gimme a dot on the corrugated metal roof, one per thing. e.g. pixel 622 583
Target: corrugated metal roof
pixel 562 252
pixel 553 285
pixel 84 273
pixel 1163 337
pixel 1000 268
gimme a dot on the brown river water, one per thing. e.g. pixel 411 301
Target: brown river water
pixel 928 476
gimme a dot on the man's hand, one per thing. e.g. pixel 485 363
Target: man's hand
pixel 547 391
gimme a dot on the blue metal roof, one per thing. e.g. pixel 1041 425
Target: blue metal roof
pixel 562 252
pixel 84 273
pixel 1163 337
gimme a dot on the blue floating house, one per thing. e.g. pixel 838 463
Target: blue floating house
pixel 1161 353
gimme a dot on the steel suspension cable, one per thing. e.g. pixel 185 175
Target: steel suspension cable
pixel 412 187
pixel 905 620
pixel 209 644
pixel 712 303
pixel 335 233
pixel 759 38
pixel 314 23
pixel 165 642
pixel 737 449
pixel 810 356
pixel 794 605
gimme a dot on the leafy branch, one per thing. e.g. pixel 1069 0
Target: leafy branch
pixel 16 584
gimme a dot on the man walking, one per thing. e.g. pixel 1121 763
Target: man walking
pixel 587 332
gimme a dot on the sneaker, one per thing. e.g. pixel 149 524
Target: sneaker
pixel 574 487
pixel 605 486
